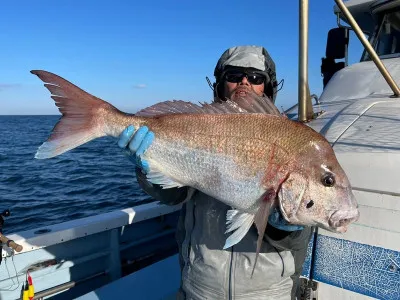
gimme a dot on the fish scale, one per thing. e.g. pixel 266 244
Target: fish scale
pixel 214 174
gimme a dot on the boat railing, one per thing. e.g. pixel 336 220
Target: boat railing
pixel 94 250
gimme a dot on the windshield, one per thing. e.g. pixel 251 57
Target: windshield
pixel 387 42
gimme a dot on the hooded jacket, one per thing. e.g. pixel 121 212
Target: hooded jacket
pixel 210 272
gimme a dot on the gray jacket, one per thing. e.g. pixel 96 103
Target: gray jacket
pixel 209 272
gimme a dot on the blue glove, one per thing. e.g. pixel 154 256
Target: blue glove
pixel 138 142
pixel 276 220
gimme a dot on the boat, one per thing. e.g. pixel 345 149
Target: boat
pixel 132 253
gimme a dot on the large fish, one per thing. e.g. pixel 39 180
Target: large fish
pixel 250 161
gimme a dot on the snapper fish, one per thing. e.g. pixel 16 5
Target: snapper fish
pixel 243 153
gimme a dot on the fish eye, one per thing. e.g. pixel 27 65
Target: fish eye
pixel 310 204
pixel 328 180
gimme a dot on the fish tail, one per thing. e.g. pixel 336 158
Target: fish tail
pixel 83 116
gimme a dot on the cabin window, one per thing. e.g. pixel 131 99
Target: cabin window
pixel 387 43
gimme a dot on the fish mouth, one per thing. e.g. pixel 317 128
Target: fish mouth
pixel 341 219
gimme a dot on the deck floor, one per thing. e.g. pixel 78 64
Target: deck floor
pixel 158 281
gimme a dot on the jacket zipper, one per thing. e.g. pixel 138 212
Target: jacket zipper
pixel 230 290
pixel 187 242
pixel 190 236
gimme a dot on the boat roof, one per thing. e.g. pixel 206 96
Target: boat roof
pixel 363 11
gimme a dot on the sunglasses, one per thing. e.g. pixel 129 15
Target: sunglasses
pixel 253 78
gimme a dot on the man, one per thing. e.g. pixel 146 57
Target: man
pixel 209 271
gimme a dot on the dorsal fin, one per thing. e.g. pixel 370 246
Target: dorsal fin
pixel 182 107
pixel 251 104
pixel 257 104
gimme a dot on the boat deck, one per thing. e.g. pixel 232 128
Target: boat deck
pixel 158 281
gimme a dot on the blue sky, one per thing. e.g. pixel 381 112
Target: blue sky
pixel 137 53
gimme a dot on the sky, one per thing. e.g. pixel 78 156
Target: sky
pixel 136 53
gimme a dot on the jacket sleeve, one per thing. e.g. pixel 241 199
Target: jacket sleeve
pixel 170 196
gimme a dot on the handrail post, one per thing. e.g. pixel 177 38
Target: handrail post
pixel 305 111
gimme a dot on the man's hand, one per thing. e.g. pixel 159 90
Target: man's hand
pixel 276 220
pixel 136 144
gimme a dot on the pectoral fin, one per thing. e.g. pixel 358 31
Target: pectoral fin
pixel 261 220
pixel 239 223
pixel 156 176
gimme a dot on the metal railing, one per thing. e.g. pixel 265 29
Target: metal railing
pixel 305 109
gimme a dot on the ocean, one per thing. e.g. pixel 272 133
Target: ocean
pixel 94 178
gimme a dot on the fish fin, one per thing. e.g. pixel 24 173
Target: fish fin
pixel 261 220
pixel 276 174
pixel 156 176
pixel 254 103
pixel 81 119
pixel 239 223
pixel 169 107
pixel 183 107
pixel 251 104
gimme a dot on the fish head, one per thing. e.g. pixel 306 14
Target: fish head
pixel 317 192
